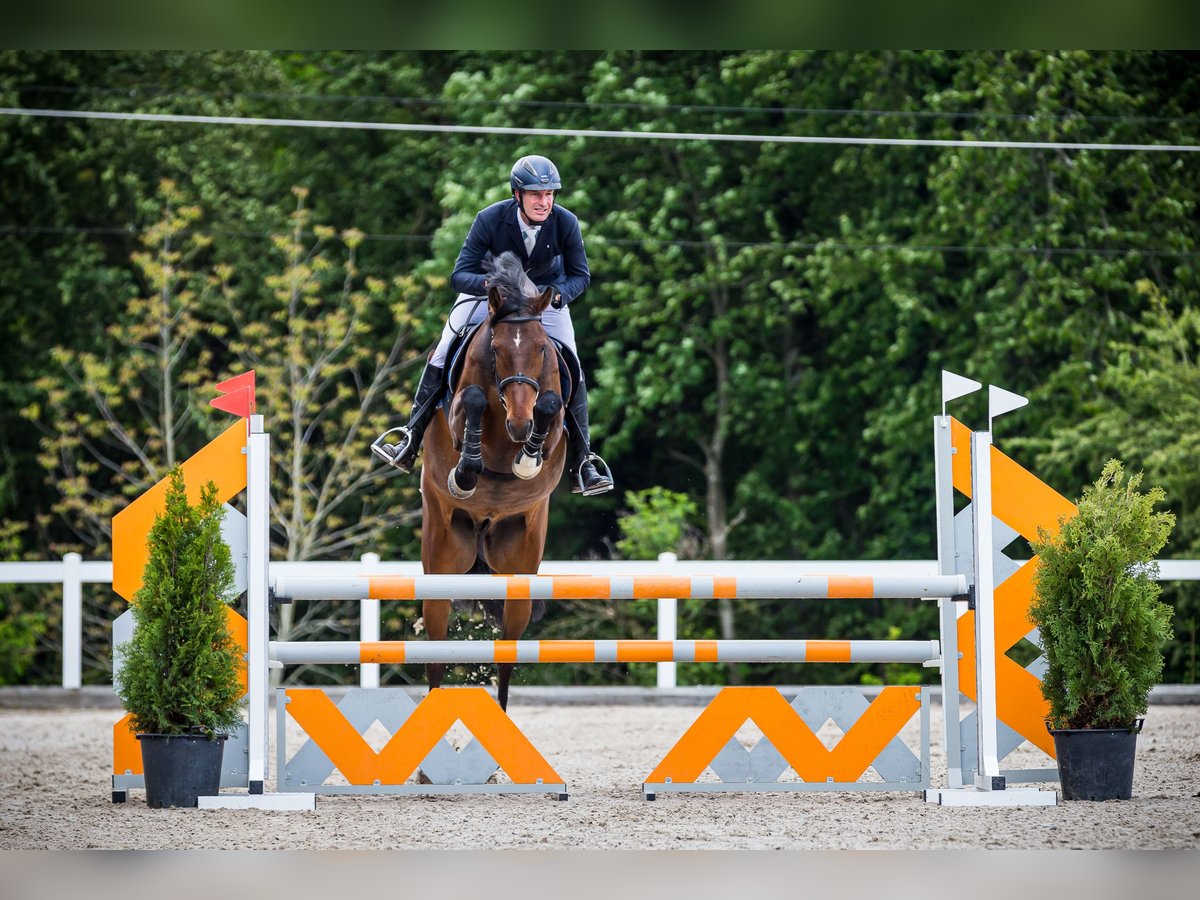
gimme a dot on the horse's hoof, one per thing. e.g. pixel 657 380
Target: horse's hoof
pixel 526 467
pixel 455 491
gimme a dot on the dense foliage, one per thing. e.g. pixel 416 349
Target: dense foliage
pixel 763 333
pixel 1097 605
pixel 180 671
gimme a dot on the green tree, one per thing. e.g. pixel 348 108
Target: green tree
pixel 20 628
pixel 324 365
pixel 117 419
pixel 114 419
pixel 1096 604
pixel 766 322
pixel 1146 408
pixel 658 521
pixel 327 344
pixel 180 670
pixel 77 195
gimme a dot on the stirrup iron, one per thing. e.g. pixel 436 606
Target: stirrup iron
pixel 602 469
pixel 390 453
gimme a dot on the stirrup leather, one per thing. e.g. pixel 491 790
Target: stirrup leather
pixel 602 470
pixel 390 453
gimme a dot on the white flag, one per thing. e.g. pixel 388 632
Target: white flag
pixel 955 386
pixel 1001 401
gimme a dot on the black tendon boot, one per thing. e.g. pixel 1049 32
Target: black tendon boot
pixel 586 479
pixel 404 454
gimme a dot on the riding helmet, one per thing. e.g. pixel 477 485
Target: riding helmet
pixel 534 173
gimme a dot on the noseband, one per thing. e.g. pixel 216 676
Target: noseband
pixel 520 377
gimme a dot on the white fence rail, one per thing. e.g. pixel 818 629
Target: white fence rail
pixel 72 572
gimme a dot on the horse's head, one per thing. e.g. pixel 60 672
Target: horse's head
pixel 521 351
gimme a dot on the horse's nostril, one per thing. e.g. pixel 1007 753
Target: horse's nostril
pixel 519 434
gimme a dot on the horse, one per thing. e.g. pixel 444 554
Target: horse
pixel 492 462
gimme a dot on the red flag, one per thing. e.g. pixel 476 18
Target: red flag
pixel 239 395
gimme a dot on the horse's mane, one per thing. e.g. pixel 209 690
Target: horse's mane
pixel 506 274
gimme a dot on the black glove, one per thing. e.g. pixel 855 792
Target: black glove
pixel 557 302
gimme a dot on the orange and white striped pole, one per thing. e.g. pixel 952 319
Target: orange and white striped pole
pixel 395 652
pixel 616 587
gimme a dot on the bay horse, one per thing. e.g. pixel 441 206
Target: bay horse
pixel 492 463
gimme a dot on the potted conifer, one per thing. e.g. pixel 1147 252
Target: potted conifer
pixel 1103 628
pixel 180 674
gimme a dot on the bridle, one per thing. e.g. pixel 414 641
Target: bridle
pixel 520 377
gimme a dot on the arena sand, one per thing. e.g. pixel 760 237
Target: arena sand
pixel 55 773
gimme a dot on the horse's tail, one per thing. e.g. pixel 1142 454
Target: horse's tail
pixel 493 610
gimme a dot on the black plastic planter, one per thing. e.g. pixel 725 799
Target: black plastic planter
pixel 1096 763
pixel 178 768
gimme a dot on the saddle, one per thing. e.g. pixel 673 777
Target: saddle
pixel 569 371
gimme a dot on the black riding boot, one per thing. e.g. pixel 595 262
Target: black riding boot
pixel 586 479
pixel 404 454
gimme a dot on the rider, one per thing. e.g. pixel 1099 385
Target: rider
pixel 546 237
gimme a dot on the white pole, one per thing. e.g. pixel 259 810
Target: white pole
pixel 258 550
pixel 943 459
pixel 667 626
pixel 72 621
pixel 368 627
pixel 990 787
pixel 987 773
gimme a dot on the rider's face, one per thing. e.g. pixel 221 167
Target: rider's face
pixel 536 205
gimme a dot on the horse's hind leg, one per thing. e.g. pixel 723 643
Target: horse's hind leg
pixel 448 545
pixel 515 544
pixel 516 620
pixel 436 616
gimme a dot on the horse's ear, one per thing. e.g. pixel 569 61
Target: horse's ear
pixel 494 300
pixel 544 299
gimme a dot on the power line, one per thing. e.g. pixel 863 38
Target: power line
pixel 589 133
pixel 406 100
pixel 599 240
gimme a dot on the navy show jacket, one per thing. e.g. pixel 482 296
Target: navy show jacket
pixel 558 259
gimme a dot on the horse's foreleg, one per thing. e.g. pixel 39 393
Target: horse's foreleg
pixel 516 619
pixel 529 461
pixel 436 616
pixel 464 477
